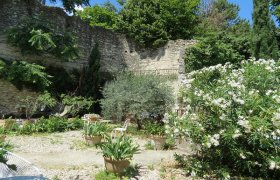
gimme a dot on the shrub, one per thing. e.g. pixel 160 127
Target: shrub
pixel 131 94
pixel 232 116
pixel 211 51
pixel 78 104
pixel 42 125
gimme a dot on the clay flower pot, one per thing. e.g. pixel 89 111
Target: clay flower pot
pixel 159 141
pixel 92 140
pixel 116 166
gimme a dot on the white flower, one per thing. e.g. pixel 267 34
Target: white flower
pixel 276 116
pixel 193 173
pixel 222 117
pixel 272 165
pixel 215 139
pixel 242 156
pixel 176 130
pixel 244 123
pixel 208 145
pixel 236 134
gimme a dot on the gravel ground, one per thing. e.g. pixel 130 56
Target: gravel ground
pixel 65 156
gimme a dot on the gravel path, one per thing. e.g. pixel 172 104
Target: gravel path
pixel 64 155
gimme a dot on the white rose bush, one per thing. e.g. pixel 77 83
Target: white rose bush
pixel 233 119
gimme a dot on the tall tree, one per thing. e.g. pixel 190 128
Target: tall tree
pixel 275 4
pixel 217 15
pixel 264 42
pixel 152 23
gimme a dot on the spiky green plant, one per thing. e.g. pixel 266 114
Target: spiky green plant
pixel 119 148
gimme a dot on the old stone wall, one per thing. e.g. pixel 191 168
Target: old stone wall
pixel 10 96
pixel 117 51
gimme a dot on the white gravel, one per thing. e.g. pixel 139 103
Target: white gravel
pixel 64 155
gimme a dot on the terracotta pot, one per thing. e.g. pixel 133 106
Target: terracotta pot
pixel 92 140
pixel 116 166
pixel 159 141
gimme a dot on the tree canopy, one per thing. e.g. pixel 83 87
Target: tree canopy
pixel 152 23
pixel 264 43
pixel 102 16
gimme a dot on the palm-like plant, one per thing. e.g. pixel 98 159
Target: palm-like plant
pixel 96 129
pixel 121 148
pixel 41 41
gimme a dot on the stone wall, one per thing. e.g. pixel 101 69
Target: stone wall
pixel 10 96
pixel 117 51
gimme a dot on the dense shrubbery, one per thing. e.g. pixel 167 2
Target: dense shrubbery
pixel 232 116
pixel 158 21
pixel 42 125
pixel 131 94
pixel 99 16
pixel 211 51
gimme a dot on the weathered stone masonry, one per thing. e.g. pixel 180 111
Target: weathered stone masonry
pixel 117 51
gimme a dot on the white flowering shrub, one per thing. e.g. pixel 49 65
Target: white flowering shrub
pixel 233 119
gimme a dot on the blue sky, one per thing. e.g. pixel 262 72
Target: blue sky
pixel 246 6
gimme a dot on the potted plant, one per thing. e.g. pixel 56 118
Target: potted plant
pixel 117 153
pixel 93 132
pixel 157 132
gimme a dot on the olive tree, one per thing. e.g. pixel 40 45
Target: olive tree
pixel 136 95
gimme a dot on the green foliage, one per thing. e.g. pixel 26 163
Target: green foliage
pixel 276 9
pixel 43 125
pixel 39 36
pixel 264 42
pixel 149 146
pixel 104 175
pixel 155 128
pixel 223 36
pixel 95 129
pixel 50 125
pixel 41 41
pixel 119 148
pixel 211 51
pixel 32 104
pixel 136 94
pixel 91 85
pixel 216 15
pixel 152 23
pixel 232 117
pixel 78 104
pixel 23 74
pixel 101 16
